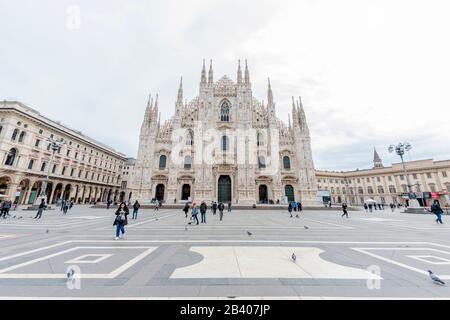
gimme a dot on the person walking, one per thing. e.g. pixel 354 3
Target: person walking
pixel 214 207
pixel 65 206
pixel 156 205
pixel 186 209
pixel 5 208
pixel 229 206
pixel 344 210
pixel 392 207
pixel 121 220
pixel 195 212
pixel 370 207
pixel 366 207
pixel 108 204
pixel 203 209
pixel 42 207
pixel 221 207
pixel 136 207
pixel 437 210
pixel 290 208
pixel 71 204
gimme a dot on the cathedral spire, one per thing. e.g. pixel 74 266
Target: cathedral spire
pixel 210 74
pixel 302 116
pixel 180 92
pixel 247 74
pixel 239 73
pixel 377 163
pixel 294 110
pixel 203 78
pixel 269 94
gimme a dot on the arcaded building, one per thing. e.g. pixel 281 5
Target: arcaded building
pixel 224 145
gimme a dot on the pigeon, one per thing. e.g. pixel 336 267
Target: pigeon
pixel 435 278
pixel 305 227
pixel 297 216
pixel 249 233
pixel 70 274
pixel 294 257
pixel 189 223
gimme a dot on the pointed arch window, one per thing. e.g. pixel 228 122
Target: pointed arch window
pixel 225 112
pixel 11 157
pixel 190 138
pixel 259 139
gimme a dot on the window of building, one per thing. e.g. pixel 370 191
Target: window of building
pixel 225 143
pixel 14 135
pixel 390 178
pixel 43 165
pixel 189 138
pixel 259 139
pixel 162 162
pixel 287 163
pixel 402 177
pixel 225 112
pixel 11 157
pixel 380 190
pixel 36 144
pixel 429 175
pixel 68 153
pixel 41 131
pixel 76 155
pixel 86 175
pixel 415 175
pixel 432 187
pixel 261 162
pixel 369 190
pixel 392 189
pixel 378 179
pixel 31 164
pixel 444 174
pixel 63 170
pixel 54 168
pixel 187 162
pixel 367 179
pixel 79 174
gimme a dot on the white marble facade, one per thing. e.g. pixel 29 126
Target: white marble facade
pixel 224 145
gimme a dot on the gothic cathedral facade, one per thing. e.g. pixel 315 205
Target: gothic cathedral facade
pixel 224 145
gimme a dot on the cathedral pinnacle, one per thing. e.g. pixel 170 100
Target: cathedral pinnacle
pixel 203 78
pixel 247 74
pixel 210 74
pixel 239 73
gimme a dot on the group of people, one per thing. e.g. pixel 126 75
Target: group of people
pixel 65 205
pixel 203 208
pixel 369 207
pixel 295 206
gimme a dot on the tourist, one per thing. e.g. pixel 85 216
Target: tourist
pixel 203 209
pixel 214 207
pixel 290 208
pixel 370 207
pixel 5 209
pixel 71 204
pixel 221 207
pixel 229 206
pixel 392 207
pixel 195 212
pixel 156 205
pixel 299 206
pixel 437 210
pixel 121 220
pixel 344 210
pixel 136 207
pixel 186 209
pixel 42 207
pixel 65 206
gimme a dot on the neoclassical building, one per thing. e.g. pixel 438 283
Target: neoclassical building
pixel 224 145
pixel 387 184
pixel 83 169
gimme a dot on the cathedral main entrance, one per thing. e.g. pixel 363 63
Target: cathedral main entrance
pixel 224 189
pixel 185 192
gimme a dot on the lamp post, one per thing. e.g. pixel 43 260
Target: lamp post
pixel 400 150
pixel 54 146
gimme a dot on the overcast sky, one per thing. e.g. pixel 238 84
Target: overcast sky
pixel 370 73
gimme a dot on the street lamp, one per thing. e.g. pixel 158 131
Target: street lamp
pixel 400 150
pixel 54 146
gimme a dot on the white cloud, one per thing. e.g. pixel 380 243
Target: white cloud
pixel 370 73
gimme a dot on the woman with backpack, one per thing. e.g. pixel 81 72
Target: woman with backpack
pixel 121 220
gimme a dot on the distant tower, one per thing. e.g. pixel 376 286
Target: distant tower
pixel 377 163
